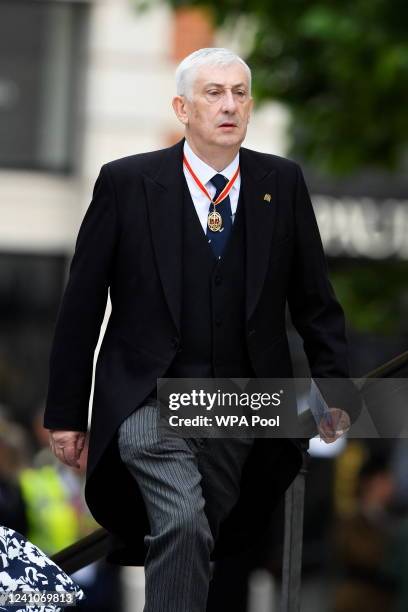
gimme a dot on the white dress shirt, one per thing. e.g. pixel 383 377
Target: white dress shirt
pixel 204 172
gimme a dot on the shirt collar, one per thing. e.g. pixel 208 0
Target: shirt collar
pixel 203 170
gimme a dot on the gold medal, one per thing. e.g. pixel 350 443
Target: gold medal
pixel 214 221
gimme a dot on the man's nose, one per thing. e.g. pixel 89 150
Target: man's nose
pixel 228 102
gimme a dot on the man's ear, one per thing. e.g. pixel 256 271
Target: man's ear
pixel 179 106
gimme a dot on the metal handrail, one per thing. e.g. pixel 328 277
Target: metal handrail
pixel 85 551
pixel 100 542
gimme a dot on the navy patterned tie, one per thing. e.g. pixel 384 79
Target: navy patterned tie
pixel 218 240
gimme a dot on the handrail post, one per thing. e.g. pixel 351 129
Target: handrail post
pixel 293 537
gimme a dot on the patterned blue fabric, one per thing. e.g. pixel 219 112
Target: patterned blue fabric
pixel 24 567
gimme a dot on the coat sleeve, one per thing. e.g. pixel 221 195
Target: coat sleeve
pixel 81 312
pixel 315 311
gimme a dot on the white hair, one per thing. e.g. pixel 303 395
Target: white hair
pixel 210 56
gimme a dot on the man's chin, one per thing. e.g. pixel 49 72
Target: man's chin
pixel 229 140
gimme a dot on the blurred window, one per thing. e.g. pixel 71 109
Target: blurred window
pixel 40 68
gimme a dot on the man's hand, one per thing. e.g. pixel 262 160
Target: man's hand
pixel 67 445
pixel 333 425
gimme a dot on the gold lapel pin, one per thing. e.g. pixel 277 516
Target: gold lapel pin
pixel 267 197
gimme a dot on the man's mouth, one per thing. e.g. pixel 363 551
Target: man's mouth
pixel 228 124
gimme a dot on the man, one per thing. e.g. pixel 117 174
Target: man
pixel 200 246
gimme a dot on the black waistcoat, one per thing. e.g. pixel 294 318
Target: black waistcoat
pixel 213 338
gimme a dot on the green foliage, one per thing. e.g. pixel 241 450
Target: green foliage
pixel 340 66
pixel 374 298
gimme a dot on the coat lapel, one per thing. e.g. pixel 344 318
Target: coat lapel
pixel 165 193
pixel 256 182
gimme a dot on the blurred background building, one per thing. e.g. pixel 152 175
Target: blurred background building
pixel 92 81
pixel 84 82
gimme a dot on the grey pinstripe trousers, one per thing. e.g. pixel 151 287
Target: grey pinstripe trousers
pixel 189 485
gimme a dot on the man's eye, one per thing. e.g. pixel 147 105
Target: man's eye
pixel 213 92
pixel 241 93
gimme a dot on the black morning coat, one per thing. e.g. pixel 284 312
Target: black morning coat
pixel 130 244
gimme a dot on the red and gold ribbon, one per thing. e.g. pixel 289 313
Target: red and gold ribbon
pixel 224 193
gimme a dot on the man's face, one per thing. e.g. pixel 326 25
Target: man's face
pixel 218 113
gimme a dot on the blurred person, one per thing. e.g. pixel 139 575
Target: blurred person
pixel 73 480
pixel 363 544
pixel 14 457
pixel 53 493
pixel 59 517
pixel 200 245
